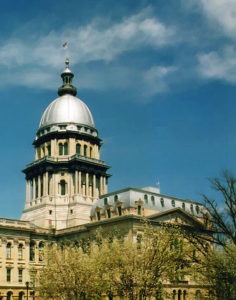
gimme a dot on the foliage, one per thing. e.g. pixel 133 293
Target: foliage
pixel 131 267
pixel 219 269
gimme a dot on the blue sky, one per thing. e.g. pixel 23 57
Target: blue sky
pixel 159 77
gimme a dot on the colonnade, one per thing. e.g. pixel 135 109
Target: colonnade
pixel 77 183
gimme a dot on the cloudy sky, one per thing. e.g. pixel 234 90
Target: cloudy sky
pixel 159 77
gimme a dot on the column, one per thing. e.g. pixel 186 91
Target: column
pixel 28 191
pixel 101 186
pixel 79 183
pixel 105 185
pixel 46 184
pixel 76 182
pixel 94 186
pixel 53 185
pixel 87 185
pixel 34 188
pixel 39 186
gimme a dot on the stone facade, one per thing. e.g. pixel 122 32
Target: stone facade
pixel 67 198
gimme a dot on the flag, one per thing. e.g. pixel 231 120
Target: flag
pixel 65 45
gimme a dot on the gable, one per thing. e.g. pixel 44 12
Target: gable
pixel 177 216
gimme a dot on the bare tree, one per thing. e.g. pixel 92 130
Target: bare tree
pixel 223 209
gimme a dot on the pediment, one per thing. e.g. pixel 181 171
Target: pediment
pixel 177 216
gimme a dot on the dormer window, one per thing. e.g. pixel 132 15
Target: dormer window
pixel 191 208
pixel 197 209
pixel 105 201
pixel 153 200
pixel 162 202
pixel 115 198
pixel 146 198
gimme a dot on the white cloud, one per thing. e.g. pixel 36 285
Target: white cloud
pixel 156 80
pixel 219 65
pixel 96 41
pixel 222 12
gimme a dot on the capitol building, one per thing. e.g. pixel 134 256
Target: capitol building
pixel 67 196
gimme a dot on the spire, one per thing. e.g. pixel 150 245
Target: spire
pixel 67 86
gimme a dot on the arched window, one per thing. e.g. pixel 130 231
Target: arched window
pixel 60 149
pixel 66 149
pixel 198 295
pixel 41 251
pixel 98 215
pixel 105 201
pixel 173 202
pixel 21 296
pixel 8 250
pixel 32 251
pixel 85 150
pixel 116 198
pixel 78 148
pixel 183 205
pixel 179 294
pixel 63 149
pixel 20 251
pixel 63 187
pixel 184 295
pixel 174 295
pixel 9 295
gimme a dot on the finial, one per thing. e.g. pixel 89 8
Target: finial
pixel 67 62
pixel 67 86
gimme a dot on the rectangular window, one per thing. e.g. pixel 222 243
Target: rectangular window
pixel 8 250
pixel 8 275
pixel 20 275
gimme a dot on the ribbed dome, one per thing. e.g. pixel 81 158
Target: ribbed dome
pixel 67 109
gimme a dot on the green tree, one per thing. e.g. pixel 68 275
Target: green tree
pixel 69 273
pixel 134 266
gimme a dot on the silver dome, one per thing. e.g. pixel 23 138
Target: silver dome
pixel 67 109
